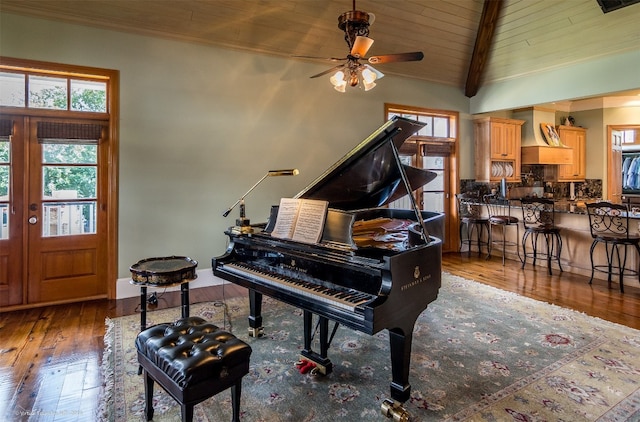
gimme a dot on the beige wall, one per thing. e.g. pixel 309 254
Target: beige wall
pixel 199 125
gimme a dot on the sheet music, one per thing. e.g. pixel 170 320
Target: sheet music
pixel 301 220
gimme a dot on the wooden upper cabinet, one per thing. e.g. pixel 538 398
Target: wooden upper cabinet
pixel 503 141
pixel 575 138
pixel 497 149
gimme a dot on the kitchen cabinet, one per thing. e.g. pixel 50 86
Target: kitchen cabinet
pixel 497 149
pixel 575 138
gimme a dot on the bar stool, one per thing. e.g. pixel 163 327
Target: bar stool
pixel 609 224
pixel 538 218
pixel 470 218
pixel 499 211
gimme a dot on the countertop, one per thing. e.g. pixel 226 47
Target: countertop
pixel 567 206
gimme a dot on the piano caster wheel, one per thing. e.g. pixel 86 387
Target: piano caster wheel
pixel 256 332
pixel 395 410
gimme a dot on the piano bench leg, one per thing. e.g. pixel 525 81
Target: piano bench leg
pixel 394 410
pixel 256 332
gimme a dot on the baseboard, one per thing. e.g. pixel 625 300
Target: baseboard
pixel 125 289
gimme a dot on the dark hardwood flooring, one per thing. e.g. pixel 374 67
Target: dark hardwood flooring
pixel 50 357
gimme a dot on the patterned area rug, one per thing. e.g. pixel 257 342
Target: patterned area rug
pixel 479 354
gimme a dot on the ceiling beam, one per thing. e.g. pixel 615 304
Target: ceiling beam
pixel 488 21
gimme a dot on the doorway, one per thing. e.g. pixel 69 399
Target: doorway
pixel 622 138
pixel 53 242
pixel 58 183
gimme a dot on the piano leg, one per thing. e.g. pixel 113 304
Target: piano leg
pixel 400 344
pixel 322 362
pixel 255 314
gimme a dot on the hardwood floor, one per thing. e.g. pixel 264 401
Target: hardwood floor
pixel 50 357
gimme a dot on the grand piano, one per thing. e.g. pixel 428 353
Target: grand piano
pixel 366 286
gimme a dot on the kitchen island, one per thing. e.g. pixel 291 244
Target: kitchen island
pixel 572 218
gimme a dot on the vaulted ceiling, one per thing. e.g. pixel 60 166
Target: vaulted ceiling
pixel 529 36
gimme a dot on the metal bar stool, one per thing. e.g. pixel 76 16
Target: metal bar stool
pixel 472 223
pixel 538 218
pixel 499 211
pixel 609 224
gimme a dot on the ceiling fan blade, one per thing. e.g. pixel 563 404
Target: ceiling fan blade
pixel 400 57
pixel 332 59
pixel 333 69
pixel 361 46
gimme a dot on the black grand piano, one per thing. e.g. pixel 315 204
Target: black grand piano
pixel 366 288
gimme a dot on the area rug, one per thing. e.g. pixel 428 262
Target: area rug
pixel 479 354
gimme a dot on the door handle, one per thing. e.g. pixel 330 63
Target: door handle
pixel 33 219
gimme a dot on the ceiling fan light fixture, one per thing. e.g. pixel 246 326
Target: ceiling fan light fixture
pixel 355 25
pixel 368 79
pixel 341 88
pixel 368 76
pixel 338 81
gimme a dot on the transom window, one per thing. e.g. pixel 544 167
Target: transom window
pixel 39 90
pixel 439 125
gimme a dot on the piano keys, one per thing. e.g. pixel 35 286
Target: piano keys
pixel 363 285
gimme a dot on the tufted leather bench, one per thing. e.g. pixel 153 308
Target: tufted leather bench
pixel 192 360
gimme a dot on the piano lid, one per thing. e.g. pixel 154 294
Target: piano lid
pixel 369 176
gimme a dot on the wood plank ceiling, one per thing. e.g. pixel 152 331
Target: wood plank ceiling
pixel 529 35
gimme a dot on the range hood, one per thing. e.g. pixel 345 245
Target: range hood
pixel 535 150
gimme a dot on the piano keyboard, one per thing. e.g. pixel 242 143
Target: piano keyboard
pixel 346 299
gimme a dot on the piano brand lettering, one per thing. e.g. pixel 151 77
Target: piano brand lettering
pixel 416 279
pixel 292 266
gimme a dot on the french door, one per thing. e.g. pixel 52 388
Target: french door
pixel 435 195
pixel 53 246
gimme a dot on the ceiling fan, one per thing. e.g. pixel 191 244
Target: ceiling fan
pixel 355 25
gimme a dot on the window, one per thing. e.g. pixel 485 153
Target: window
pixel 5 172
pixel 69 177
pixel 439 125
pixel 22 88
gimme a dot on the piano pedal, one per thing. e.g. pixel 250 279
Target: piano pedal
pixel 312 367
pixel 305 366
pixel 395 410
pixel 256 332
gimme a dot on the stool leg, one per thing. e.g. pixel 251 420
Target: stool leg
pixel 187 412
pixel 559 250
pixel 504 242
pixel 489 240
pixel 148 396
pixel 184 299
pixel 516 242
pixel 550 243
pixel 236 392
pixel 609 262
pixel 524 248
pixel 622 267
pixel 143 314
pixel 481 228
pixel 593 268
pixel 534 240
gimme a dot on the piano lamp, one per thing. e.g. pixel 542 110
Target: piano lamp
pixel 243 224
